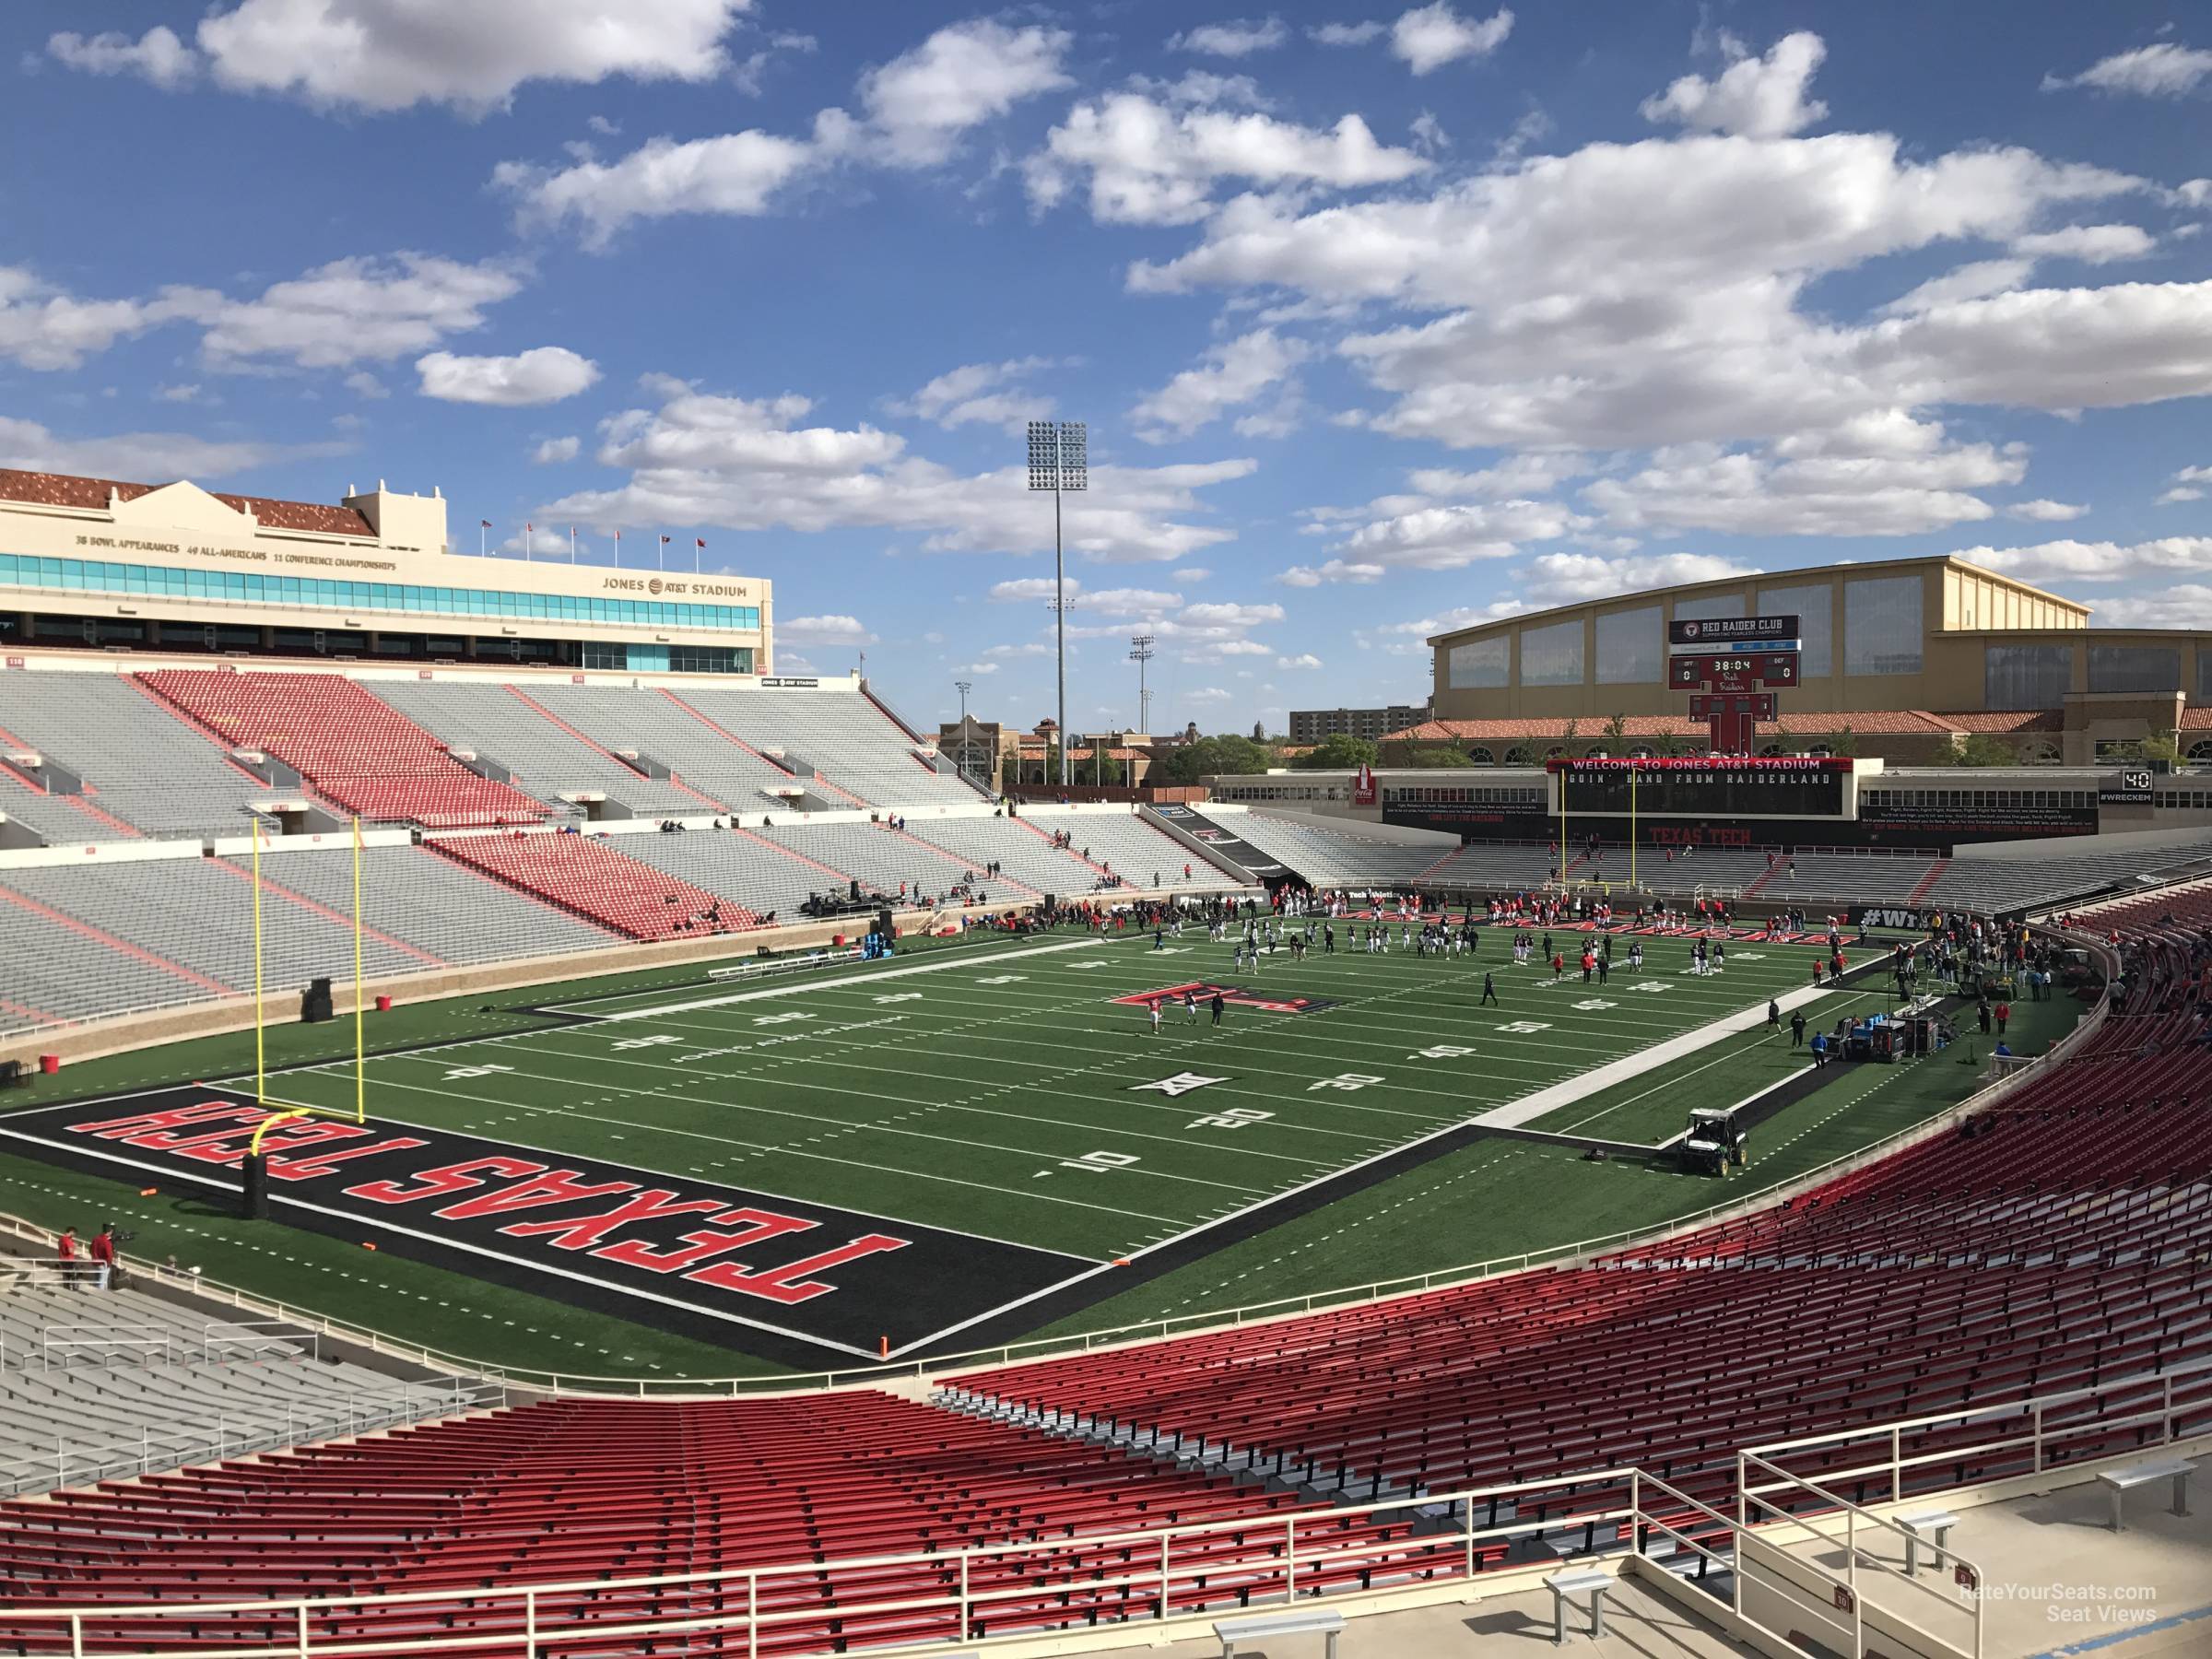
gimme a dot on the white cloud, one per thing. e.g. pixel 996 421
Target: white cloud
pixel 747 464
pixel 831 629
pixel 45 328
pixel 542 375
pixel 738 175
pixel 1428 135
pixel 1446 537
pixel 2191 484
pixel 1975 280
pixel 1757 97
pixel 1033 590
pixel 1537 472
pixel 381 55
pixel 158 57
pixel 2187 606
pixel 554 451
pixel 1429 37
pixel 1562 578
pixel 915 110
pixel 189 393
pixel 1893 485
pixel 2097 561
pixel 352 310
pixel 2046 512
pixel 1032 649
pixel 1304 660
pixel 1154 163
pixel 1239 37
pixel 1231 374
pixel 1209 694
pixel 156 457
pixel 2164 70
pixel 1628 295
pixel 976 668
pixel 2092 244
pixel 1347 34
pixel 1190 573
pixel 1335 570
pixel 1232 615
pixel 362 383
pixel 1130 601
pixel 920 104
pixel 986 393
pixel 1229 648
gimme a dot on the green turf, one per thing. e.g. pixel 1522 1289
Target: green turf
pixel 1498 1199
pixel 977 1096
pixel 969 1097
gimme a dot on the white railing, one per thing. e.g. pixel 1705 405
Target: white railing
pixel 78 1462
pixel 1147 1576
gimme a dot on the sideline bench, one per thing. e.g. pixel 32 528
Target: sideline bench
pixel 763 966
pixel 1565 1587
pixel 1319 1621
pixel 1934 1525
pixel 2120 1482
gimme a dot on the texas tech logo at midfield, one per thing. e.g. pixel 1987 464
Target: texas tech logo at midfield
pixel 1236 996
pixel 576 1228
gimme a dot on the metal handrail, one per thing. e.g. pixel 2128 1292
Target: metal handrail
pixel 1452 1517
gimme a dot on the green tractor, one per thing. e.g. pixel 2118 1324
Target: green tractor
pixel 1714 1142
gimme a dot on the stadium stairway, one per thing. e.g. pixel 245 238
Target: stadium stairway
pixel 674 782
pixel 361 753
pixel 722 731
pixel 585 877
pixel 1928 882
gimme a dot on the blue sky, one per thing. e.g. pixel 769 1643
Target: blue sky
pixel 1382 319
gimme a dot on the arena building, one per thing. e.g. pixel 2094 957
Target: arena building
pixel 1914 656
pixel 103 565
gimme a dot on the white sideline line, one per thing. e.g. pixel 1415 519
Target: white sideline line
pixel 1528 1108
pixel 798 986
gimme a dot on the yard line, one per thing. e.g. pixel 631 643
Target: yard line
pixel 669 1094
pixel 856 1163
pixel 795 987
pixel 1020 1117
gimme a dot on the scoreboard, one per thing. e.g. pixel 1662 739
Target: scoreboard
pixel 1714 789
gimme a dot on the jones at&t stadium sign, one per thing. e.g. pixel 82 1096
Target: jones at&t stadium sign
pixel 707 1257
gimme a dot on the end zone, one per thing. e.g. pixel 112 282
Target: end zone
pixel 706 1257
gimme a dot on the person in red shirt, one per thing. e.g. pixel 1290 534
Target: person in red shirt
pixel 103 1257
pixel 64 1249
pixel 2003 1013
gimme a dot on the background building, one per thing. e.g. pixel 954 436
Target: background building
pixel 1911 658
pixel 98 563
pixel 1310 725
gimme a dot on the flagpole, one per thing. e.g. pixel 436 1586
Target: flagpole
pixel 529 541
pixel 482 536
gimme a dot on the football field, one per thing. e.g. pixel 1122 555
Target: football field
pixel 879 1157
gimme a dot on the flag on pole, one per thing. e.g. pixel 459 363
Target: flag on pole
pixel 529 530
pixel 698 547
pixel 665 541
pixel 618 547
pixel 483 531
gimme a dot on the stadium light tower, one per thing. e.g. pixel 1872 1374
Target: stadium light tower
pixel 1059 460
pixel 1141 652
pixel 963 687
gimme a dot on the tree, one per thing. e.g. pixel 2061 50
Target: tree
pixel 1669 744
pixel 1520 755
pixel 1844 741
pixel 1339 752
pixel 1567 737
pixel 1982 748
pixel 1211 756
pixel 1435 755
pixel 1617 734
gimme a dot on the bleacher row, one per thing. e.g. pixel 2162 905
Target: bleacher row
pixel 154 751
pixel 1329 855
pixel 2057 1240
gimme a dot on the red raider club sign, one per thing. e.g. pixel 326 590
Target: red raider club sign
pixel 583 1231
